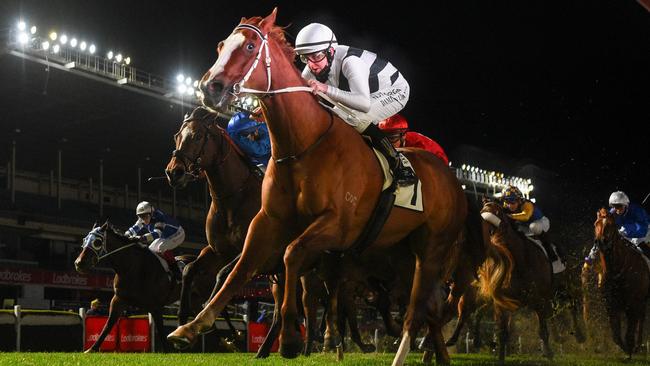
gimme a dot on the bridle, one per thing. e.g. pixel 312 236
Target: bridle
pixel 239 88
pixel 192 165
pixel 96 241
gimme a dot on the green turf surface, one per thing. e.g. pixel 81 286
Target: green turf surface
pixel 222 359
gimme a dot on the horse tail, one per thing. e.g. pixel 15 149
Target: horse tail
pixel 495 273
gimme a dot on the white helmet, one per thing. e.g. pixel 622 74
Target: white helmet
pixel 619 198
pixel 144 207
pixel 313 38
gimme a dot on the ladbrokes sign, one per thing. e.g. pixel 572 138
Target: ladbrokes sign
pixel 10 275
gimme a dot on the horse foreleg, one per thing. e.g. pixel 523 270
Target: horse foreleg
pixel 542 316
pixel 223 275
pixel 310 306
pixel 322 234
pixel 160 329
pixel 346 298
pixel 639 333
pixel 114 313
pixel 427 277
pixel 615 326
pixel 466 306
pixel 277 291
pixel 631 330
pixel 257 250
pixel 503 322
pixel 205 258
pixel 336 315
pixel 383 306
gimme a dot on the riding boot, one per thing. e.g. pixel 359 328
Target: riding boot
pixel 404 176
pixel 173 266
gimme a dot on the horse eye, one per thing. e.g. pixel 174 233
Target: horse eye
pixel 250 46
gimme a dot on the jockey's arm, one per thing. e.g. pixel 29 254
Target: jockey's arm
pixel 135 229
pixel 526 212
pixel 357 73
pixel 638 228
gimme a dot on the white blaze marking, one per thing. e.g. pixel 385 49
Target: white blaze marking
pixel 185 133
pixel 231 43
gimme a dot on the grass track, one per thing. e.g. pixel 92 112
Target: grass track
pixel 224 359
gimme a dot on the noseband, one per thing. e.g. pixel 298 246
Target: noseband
pixel 193 165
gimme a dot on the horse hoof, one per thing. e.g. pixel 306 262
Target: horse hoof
pixel 368 348
pixel 427 357
pixel 291 350
pixel 181 338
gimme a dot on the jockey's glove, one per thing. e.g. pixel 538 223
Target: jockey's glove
pixel 588 260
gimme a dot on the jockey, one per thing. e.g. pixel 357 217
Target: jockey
pixel 359 80
pixel 252 137
pixel 396 127
pixel 529 218
pixel 632 222
pixel 160 231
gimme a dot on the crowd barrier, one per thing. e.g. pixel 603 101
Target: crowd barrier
pixel 62 331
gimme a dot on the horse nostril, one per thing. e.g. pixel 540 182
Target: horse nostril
pixel 214 88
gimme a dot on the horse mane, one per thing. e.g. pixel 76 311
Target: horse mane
pixel 277 33
pixel 495 274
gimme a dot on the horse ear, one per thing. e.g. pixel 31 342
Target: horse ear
pixel 94 225
pixel 105 225
pixel 269 21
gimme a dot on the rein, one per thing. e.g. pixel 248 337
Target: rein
pixel 238 88
pixel 102 237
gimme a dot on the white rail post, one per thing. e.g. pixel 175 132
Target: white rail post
pixel 82 314
pixel 152 333
pixel 17 313
pixel 376 339
pixel 467 342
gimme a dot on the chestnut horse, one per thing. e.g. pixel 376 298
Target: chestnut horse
pixel 625 282
pixel 203 148
pixel 321 187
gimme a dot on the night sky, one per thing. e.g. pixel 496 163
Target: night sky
pixel 562 85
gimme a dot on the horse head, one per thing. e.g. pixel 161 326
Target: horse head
pixel 199 143
pixel 254 42
pixel 605 231
pixel 96 245
pixel 493 213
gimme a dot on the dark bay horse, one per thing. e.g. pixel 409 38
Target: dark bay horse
pixel 204 149
pixel 514 274
pixel 140 279
pixel 320 188
pixel 625 282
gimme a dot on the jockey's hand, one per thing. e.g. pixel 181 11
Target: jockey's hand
pixel 588 261
pixel 317 86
